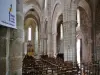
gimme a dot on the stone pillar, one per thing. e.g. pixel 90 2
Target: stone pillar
pixel 49 30
pixel 54 50
pixel 4 46
pixel 45 37
pixel 41 36
pixel 69 26
pixel 16 43
pixel 39 41
pixel 7 50
pixel 45 46
pixel 41 47
pixel 49 44
pixel 73 25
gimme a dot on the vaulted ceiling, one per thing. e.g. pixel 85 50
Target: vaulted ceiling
pixel 38 2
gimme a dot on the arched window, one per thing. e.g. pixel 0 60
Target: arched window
pixel 78 50
pixel 78 43
pixel 61 32
pixel 29 34
pixel 45 4
pixel 78 17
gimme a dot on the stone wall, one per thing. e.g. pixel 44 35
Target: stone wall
pixel 86 36
pixel 97 30
pixel 3 32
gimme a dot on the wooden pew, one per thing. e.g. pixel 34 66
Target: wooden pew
pixel 46 65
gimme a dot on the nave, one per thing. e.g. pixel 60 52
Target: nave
pixel 70 28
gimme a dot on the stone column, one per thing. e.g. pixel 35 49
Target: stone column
pixel 16 43
pixel 39 41
pixel 54 50
pixel 73 25
pixel 49 30
pixel 45 46
pixel 45 26
pixel 45 37
pixel 69 24
pixel 41 37
pixel 42 43
pixel 45 42
pixel 4 46
pixel 7 50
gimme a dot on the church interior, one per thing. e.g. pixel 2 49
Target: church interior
pixel 52 37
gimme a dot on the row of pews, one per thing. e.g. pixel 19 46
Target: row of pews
pixel 60 67
pixel 47 66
